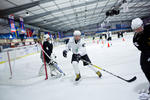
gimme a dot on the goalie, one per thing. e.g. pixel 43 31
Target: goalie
pixel 53 68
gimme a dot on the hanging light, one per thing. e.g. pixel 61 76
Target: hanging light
pixel 27 14
pixel 44 21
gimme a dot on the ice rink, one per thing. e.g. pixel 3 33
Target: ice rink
pixel 122 58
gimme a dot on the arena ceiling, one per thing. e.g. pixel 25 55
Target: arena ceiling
pixel 65 15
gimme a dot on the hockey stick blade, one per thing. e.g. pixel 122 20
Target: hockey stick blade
pixel 131 80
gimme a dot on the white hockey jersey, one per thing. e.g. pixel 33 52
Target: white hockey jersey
pixel 78 48
pixel 109 34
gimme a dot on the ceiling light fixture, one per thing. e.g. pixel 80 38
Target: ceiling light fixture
pixel 27 14
pixel 44 21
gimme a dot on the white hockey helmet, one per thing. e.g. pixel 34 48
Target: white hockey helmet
pixel 46 36
pixel 76 33
pixel 136 23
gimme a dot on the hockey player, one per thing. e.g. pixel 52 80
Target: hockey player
pixel 141 40
pixel 77 46
pixel 48 49
pixel 109 37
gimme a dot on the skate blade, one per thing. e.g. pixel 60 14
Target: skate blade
pixel 57 76
pixel 77 82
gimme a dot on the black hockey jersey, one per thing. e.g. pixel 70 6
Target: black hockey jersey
pixel 48 48
pixel 142 40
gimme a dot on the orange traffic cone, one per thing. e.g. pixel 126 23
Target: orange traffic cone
pixel 102 42
pixel 123 39
pixel 108 44
pixel 93 41
pixel 97 41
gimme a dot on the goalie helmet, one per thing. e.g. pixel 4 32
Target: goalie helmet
pixel 46 36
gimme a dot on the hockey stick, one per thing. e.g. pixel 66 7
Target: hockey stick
pixel 44 62
pixel 130 80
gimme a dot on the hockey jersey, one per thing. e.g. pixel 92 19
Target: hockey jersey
pixel 48 48
pixel 142 40
pixel 76 48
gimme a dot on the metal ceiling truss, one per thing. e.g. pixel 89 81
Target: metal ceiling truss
pixel 58 24
pixel 22 7
pixel 116 20
pixel 71 14
pixel 55 23
pixel 30 18
pixel 130 7
pixel 139 10
pixel 71 22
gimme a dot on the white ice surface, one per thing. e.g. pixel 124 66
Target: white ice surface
pixel 122 58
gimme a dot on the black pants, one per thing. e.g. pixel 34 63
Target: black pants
pixel 47 59
pixel 85 57
pixel 145 65
pixel 109 39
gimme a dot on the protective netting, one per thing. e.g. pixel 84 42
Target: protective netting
pixel 25 64
pixel 12 60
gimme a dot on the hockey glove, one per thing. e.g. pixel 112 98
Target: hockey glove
pixel 65 53
pixel 78 57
